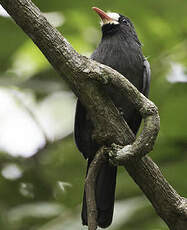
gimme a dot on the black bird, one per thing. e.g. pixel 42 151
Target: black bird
pixel 120 49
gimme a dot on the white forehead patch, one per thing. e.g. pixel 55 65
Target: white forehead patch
pixel 114 16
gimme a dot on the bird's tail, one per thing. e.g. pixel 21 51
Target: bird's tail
pixel 105 193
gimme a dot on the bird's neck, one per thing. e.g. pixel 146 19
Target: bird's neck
pixel 109 29
pixel 117 36
pixel 120 42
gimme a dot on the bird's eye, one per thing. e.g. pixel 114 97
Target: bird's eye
pixel 124 21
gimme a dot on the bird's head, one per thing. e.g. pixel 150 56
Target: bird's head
pixel 113 22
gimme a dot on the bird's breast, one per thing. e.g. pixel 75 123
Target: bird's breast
pixel 127 60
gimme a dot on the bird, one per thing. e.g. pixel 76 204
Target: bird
pixel 121 50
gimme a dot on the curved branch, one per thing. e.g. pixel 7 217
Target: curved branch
pixel 145 142
pixel 85 76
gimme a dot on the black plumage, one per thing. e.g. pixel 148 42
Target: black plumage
pixel 120 49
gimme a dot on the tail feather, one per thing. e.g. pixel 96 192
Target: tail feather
pixel 105 193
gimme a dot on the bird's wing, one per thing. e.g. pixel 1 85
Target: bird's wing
pixel 146 78
pixel 83 129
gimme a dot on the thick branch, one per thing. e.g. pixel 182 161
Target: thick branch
pixel 167 203
pixel 73 67
pixel 84 77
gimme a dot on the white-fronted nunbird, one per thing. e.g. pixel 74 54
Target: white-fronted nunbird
pixel 120 49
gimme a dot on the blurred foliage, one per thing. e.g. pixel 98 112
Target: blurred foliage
pixel 44 190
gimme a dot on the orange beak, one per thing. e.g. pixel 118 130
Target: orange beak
pixel 104 17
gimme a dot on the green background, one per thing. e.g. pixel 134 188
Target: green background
pixel 48 192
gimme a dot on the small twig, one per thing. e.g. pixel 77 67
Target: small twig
pixel 94 168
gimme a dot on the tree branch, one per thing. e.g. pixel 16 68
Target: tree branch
pixel 85 77
pixel 94 168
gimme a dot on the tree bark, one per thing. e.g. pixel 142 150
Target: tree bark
pixel 86 77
